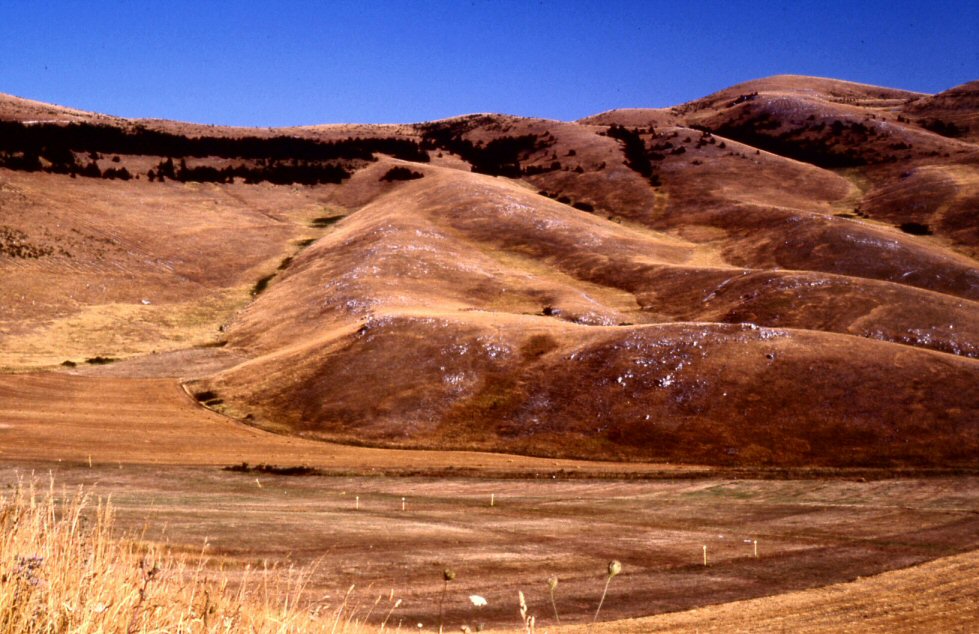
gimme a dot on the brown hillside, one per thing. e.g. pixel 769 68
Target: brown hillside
pixel 110 268
pixel 954 112
pixel 782 272
pixel 27 110
pixel 678 392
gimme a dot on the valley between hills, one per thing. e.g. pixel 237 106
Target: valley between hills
pixel 750 316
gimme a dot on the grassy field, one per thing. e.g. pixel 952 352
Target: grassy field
pixel 939 596
pixel 502 536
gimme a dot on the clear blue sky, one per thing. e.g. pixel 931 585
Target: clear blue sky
pixel 303 62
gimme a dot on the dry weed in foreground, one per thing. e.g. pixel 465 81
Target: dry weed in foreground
pixel 63 570
pixel 614 568
pixel 551 586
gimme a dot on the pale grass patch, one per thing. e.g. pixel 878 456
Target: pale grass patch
pixel 122 330
pixel 64 569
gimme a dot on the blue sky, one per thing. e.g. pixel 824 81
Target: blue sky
pixel 293 63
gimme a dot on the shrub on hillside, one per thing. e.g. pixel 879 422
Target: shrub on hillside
pixel 944 128
pixel 117 172
pixel 499 157
pixel 916 228
pixel 399 173
pixel 638 157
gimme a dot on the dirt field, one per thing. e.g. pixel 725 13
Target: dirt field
pixel 810 534
pixel 939 596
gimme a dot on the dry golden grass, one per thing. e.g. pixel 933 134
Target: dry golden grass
pixel 939 596
pixel 123 330
pixel 63 568
pixel 733 229
pixel 136 269
pixel 60 417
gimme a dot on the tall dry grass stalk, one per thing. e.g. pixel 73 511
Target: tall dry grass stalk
pixel 447 576
pixel 63 570
pixel 551 586
pixel 614 568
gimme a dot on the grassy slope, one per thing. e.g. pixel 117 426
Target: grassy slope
pixel 129 268
pixel 418 319
pixel 417 300
pixel 469 299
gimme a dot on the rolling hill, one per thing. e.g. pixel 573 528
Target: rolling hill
pixel 781 273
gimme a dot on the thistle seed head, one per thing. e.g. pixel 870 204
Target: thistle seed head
pixel 614 568
pixel 552 583
pixel 448 574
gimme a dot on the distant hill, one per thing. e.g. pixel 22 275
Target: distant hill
pixel 781 273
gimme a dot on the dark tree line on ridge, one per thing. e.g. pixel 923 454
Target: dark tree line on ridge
pixel 278 159
pixel 638 157
pixel 500 157
pixel 827 144
pixel 87 137
pixel 276 172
